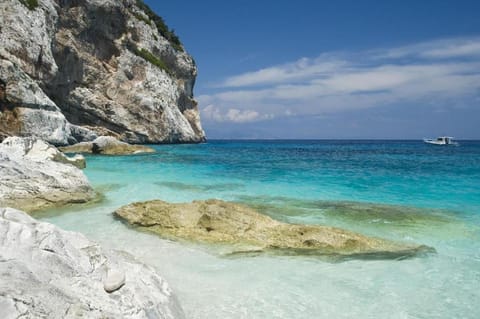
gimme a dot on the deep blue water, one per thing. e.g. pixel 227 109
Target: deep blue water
pixel 401 190
pixel 399 172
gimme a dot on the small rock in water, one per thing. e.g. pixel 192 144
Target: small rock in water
pixel 114 280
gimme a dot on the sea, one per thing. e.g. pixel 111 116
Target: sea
pixel 406 191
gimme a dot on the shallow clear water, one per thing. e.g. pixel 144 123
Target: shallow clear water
pixel 400 190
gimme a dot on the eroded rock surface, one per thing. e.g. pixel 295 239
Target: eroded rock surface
pixel 46 272
pixel 35 175
pixel 215 221
pixel 72 69
pixel 106 145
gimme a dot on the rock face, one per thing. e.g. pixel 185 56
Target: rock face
pixel 107 145
pixel 36 175
pixel 73 70
pixel 46 272
pixel 215 221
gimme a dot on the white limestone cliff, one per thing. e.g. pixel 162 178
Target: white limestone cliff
pixel 73 70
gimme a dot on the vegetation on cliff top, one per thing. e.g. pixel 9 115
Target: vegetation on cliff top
pixel 30 4
pixel 162 28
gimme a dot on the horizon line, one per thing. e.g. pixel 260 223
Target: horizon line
pixel 330 139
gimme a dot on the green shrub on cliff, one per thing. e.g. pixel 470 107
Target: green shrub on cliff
pixel 149 57
pixel 161 26
pixel 142 18
pixel 30 4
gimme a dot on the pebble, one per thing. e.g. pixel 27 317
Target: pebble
pixel 114 280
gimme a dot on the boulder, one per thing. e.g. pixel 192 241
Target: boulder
pixel 46 272
pixel 107 145
pixel 35 175
pixel 216 221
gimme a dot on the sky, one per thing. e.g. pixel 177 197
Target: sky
pixel 333 69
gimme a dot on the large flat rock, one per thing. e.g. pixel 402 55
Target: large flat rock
pixel 216 221
pixel 35 175
pixel 46 272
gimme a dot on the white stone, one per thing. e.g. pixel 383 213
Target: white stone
pixel 114 279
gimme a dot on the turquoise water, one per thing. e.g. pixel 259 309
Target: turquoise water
pixel 400 190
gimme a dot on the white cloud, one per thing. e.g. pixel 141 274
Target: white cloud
pixel 238 116
pixel 438 49
pixel 452 51
pixel 210 112
pixel 302 69
pixel 434 71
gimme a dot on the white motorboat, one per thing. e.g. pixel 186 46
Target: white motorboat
pixel 441 140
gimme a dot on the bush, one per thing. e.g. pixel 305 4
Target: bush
pixel 142 18
pixel 30 4
pixel 161 26
pixel 150 57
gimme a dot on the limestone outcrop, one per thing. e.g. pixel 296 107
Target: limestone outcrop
pixel 247 231
pixel 107 145
pixel 71 71
pixel 46 272
pixel 35 175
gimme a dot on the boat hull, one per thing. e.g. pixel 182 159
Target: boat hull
pixel 436 142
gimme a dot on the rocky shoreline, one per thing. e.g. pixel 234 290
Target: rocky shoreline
pixel 77 277
pixel 50 273
pixel 95 77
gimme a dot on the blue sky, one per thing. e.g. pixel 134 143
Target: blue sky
pixel 333 69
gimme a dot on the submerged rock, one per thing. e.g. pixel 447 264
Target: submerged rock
pixel 382 214
pixel 216 221
pixel 50 273
pixel 71 69
pixel 396 221
pixel 36 175
pixel 107 145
